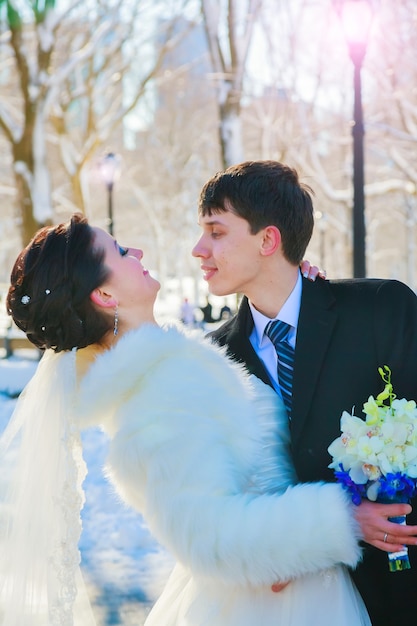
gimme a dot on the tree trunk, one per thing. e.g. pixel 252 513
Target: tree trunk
pixel 28 224
pixel 230 128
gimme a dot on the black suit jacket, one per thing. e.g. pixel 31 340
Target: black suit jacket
pixel 346 330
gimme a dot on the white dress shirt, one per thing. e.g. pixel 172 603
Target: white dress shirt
pixel 262 345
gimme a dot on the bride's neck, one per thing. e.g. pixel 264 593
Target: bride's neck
pixel 110 339
pixel 85 357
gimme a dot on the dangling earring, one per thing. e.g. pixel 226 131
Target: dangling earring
pixel 116 321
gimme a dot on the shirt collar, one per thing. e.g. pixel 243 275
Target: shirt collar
pixel 289 313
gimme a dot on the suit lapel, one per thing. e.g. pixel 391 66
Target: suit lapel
pixel 239 345
pixel 315 327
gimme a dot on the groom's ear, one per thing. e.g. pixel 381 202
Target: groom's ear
pixel 271 240
pixel 103 299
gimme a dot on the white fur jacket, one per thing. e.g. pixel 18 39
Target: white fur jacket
pixel 191 449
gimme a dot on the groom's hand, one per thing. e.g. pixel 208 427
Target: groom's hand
pixel 379 532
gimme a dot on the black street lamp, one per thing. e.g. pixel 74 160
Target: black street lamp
pixel 356 16
pixel 109 171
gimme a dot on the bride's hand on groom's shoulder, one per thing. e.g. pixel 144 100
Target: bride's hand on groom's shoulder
pixel 311 271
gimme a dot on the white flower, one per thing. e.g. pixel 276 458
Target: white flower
pixel 371 471
pixel 383 443
pixel 357 473
pixel 372 491
pixel 405 408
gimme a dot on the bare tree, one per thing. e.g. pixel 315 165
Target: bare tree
pixel 177 156
pixel 100 93
pixel 70 85
pixel 229 28
pixel 22 119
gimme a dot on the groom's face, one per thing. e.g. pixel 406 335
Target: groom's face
pixel 229 254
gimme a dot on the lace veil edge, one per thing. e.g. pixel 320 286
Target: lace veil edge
pixel 41 496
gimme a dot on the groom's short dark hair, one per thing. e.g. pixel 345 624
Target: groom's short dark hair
pixel 264 193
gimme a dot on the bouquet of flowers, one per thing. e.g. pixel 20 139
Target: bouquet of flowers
pixel 376 457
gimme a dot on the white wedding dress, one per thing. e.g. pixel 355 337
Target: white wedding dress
pixel 40 583
pixel 327 598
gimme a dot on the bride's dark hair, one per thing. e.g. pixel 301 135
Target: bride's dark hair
pixel 51 282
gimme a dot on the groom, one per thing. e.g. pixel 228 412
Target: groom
pixel 257 220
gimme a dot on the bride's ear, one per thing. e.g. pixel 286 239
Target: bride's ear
pixel 103 299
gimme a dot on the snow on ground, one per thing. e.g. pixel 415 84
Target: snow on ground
pixel 123 566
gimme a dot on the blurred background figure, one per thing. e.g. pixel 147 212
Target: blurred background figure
pixel 211 314
pixel 207 312
pixel 225 312
pixel 187 313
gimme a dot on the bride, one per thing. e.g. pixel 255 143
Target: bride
pixel 197 446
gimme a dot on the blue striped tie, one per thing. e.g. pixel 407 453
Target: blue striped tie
pixel 277 331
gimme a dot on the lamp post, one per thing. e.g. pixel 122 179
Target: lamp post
pixel 109 171
pixel 356 16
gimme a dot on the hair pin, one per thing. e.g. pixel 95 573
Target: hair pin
pixel 25 299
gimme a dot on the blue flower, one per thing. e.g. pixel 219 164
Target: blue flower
pixel 356 491
pixel 396 487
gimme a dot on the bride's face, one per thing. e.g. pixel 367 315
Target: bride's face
pixel 129 282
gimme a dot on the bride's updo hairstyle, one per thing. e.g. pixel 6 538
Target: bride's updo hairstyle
pixel 51 282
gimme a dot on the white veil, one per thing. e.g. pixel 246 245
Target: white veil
pixel 41 474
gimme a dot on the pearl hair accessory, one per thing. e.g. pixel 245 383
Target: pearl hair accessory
pixel 26 299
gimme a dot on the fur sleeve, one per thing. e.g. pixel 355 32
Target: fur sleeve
pixel 185 440
pixel 181 470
